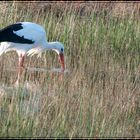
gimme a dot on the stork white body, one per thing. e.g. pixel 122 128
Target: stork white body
pixel 28 38
pixel 30 31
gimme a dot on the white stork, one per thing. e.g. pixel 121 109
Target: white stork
pixel 28 38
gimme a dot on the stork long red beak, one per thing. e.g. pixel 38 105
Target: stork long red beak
pixel 61 58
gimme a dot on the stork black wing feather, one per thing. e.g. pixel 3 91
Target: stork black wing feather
pixel 7 35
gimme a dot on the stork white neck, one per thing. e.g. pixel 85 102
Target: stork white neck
pixel 59 49
pixel 56 46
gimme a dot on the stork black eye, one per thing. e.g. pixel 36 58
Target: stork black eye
pixel 61 49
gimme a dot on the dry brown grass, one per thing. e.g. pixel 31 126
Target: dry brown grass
pixel 83 8
pixel 99 97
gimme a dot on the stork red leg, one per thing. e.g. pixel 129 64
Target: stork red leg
pixel 21 60
pixel 20 67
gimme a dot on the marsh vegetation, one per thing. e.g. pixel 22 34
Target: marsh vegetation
pixel 98 97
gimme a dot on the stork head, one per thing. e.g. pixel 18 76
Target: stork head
pixel 58 47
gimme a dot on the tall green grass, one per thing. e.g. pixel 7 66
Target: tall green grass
pixel 99 97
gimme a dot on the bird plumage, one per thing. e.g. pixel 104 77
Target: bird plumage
pixel 27 38
pixel 8 34
pixel 22 37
